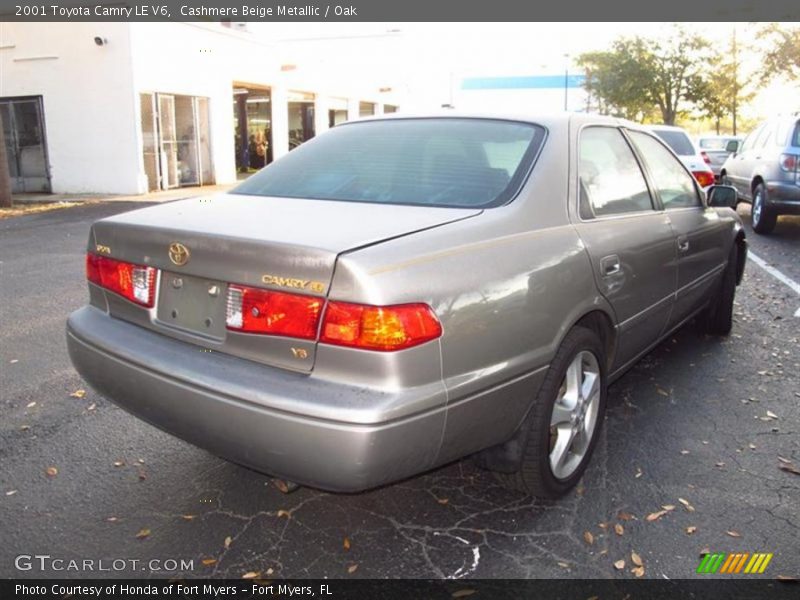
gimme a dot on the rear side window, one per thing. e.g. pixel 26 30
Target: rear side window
pixel 611 181
pixel 796 135
pixel 674 184
pixel 433 162
pixel 677 140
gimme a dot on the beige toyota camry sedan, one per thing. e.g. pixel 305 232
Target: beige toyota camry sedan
pixel 402 292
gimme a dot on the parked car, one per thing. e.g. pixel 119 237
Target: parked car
pixel 766 171
pixel 680 142
pixel 401 292
pixel 715 149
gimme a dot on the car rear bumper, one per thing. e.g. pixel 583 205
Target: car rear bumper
pixel 784 197
pixel 221 403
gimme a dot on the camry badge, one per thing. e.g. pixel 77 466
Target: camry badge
pixel 178 253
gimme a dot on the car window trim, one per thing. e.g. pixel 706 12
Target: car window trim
pixel 697 190
pixel 656 206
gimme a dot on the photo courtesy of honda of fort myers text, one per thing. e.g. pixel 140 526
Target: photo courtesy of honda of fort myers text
pixel 376 299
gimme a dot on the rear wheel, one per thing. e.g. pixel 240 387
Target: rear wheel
pixel 563 425
pixel 764 219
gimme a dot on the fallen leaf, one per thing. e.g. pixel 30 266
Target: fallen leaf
pixel 112 519
pixel 684 452
pixel 662 392
pixel 143 533
pixel 462 593
pixel 638 571
pixel 443 501
pixel 24 427
pixel 140 461
pixel 119 463
pixel 656 515
pixel 705 551
pixel 619 529
pixel 31 404
pixel 620 564
pixel 284 513
pixel 78 394
pixel 251 575
pixel 786 578
pixel 580 490
pixel 352 568
pixel 209 561
pixel 771 415
pixel 13 361
pixel 639 473
pixel 603 526
pixel 785 461
pixel 11 492
pixel 346 544
pixel 668 507
pixel 789 469
pixel 228 541
pixel 686 504
pixel 563 565
pixel 91 407
pixel 623 516
pixel 270 571
pixel 188 517
pixel 636 559
pixel 735 534
pixel 142 473
pixel 51 471
pixel 281 485
pixel 751 445
pixel 588 537
pixel 720 464
pixel 691 529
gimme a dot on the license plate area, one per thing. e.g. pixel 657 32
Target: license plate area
pixel 192 304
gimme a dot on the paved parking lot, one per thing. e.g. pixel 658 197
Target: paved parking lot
pixel 701 425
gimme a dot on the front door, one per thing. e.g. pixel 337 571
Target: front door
pixel 699 234
pixel 26 146
pixel 628 237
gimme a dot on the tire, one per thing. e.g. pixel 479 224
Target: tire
pixel 537 475
pixel 764 219
pixel 718 317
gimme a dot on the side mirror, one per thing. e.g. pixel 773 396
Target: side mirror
pixel 722 195
pixel 732 147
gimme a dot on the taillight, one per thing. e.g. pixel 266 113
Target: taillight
pixel 382 328
pixel 705 157
pixel 136 283
pixel 704 178
pixel 789 162
pixel 253 310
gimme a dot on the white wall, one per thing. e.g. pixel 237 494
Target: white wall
pixel 87 97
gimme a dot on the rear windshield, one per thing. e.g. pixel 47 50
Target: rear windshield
pixel 433 162
pixel 714 143
pixel 796 135
pixel 677 140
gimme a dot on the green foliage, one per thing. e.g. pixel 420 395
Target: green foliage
pixel 782 53
pixel 639 76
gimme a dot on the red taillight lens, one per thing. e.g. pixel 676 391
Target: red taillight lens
pixel 704 178
pixel 383 328
pixel 789 162
pixel 705 157
pixel 252 310
pixel 136 283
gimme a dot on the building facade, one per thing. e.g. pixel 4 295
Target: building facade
pixel 127 108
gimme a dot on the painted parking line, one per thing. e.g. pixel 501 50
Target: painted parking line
pixel 791 283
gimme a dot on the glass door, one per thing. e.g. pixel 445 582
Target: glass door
pixel 168 142
pixel 26 147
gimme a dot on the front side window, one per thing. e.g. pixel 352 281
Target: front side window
pixel 675 185
pixel 433 162
pixel 611 181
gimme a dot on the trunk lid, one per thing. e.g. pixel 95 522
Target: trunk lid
pixel 283 244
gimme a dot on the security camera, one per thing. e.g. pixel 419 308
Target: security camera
pixel 100 41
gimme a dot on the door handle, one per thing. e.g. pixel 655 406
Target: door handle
pixel 683 244
pixel 610 265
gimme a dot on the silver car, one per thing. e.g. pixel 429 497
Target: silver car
pixel 766 171
pixel 717 148
pixel 399 293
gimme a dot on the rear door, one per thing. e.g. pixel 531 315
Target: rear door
pixel 628 237
pixel 700 236
pixel 740 166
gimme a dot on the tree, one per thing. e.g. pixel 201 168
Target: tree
pixel 782 54
pixel 5 177
pixel 639 75
pixel 726 89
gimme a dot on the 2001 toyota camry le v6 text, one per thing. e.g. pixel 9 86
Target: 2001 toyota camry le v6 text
pixel 401 292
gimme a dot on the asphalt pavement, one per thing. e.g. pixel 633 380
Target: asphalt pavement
pixel 695 437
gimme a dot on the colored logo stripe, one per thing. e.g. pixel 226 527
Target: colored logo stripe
pixel 722 562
